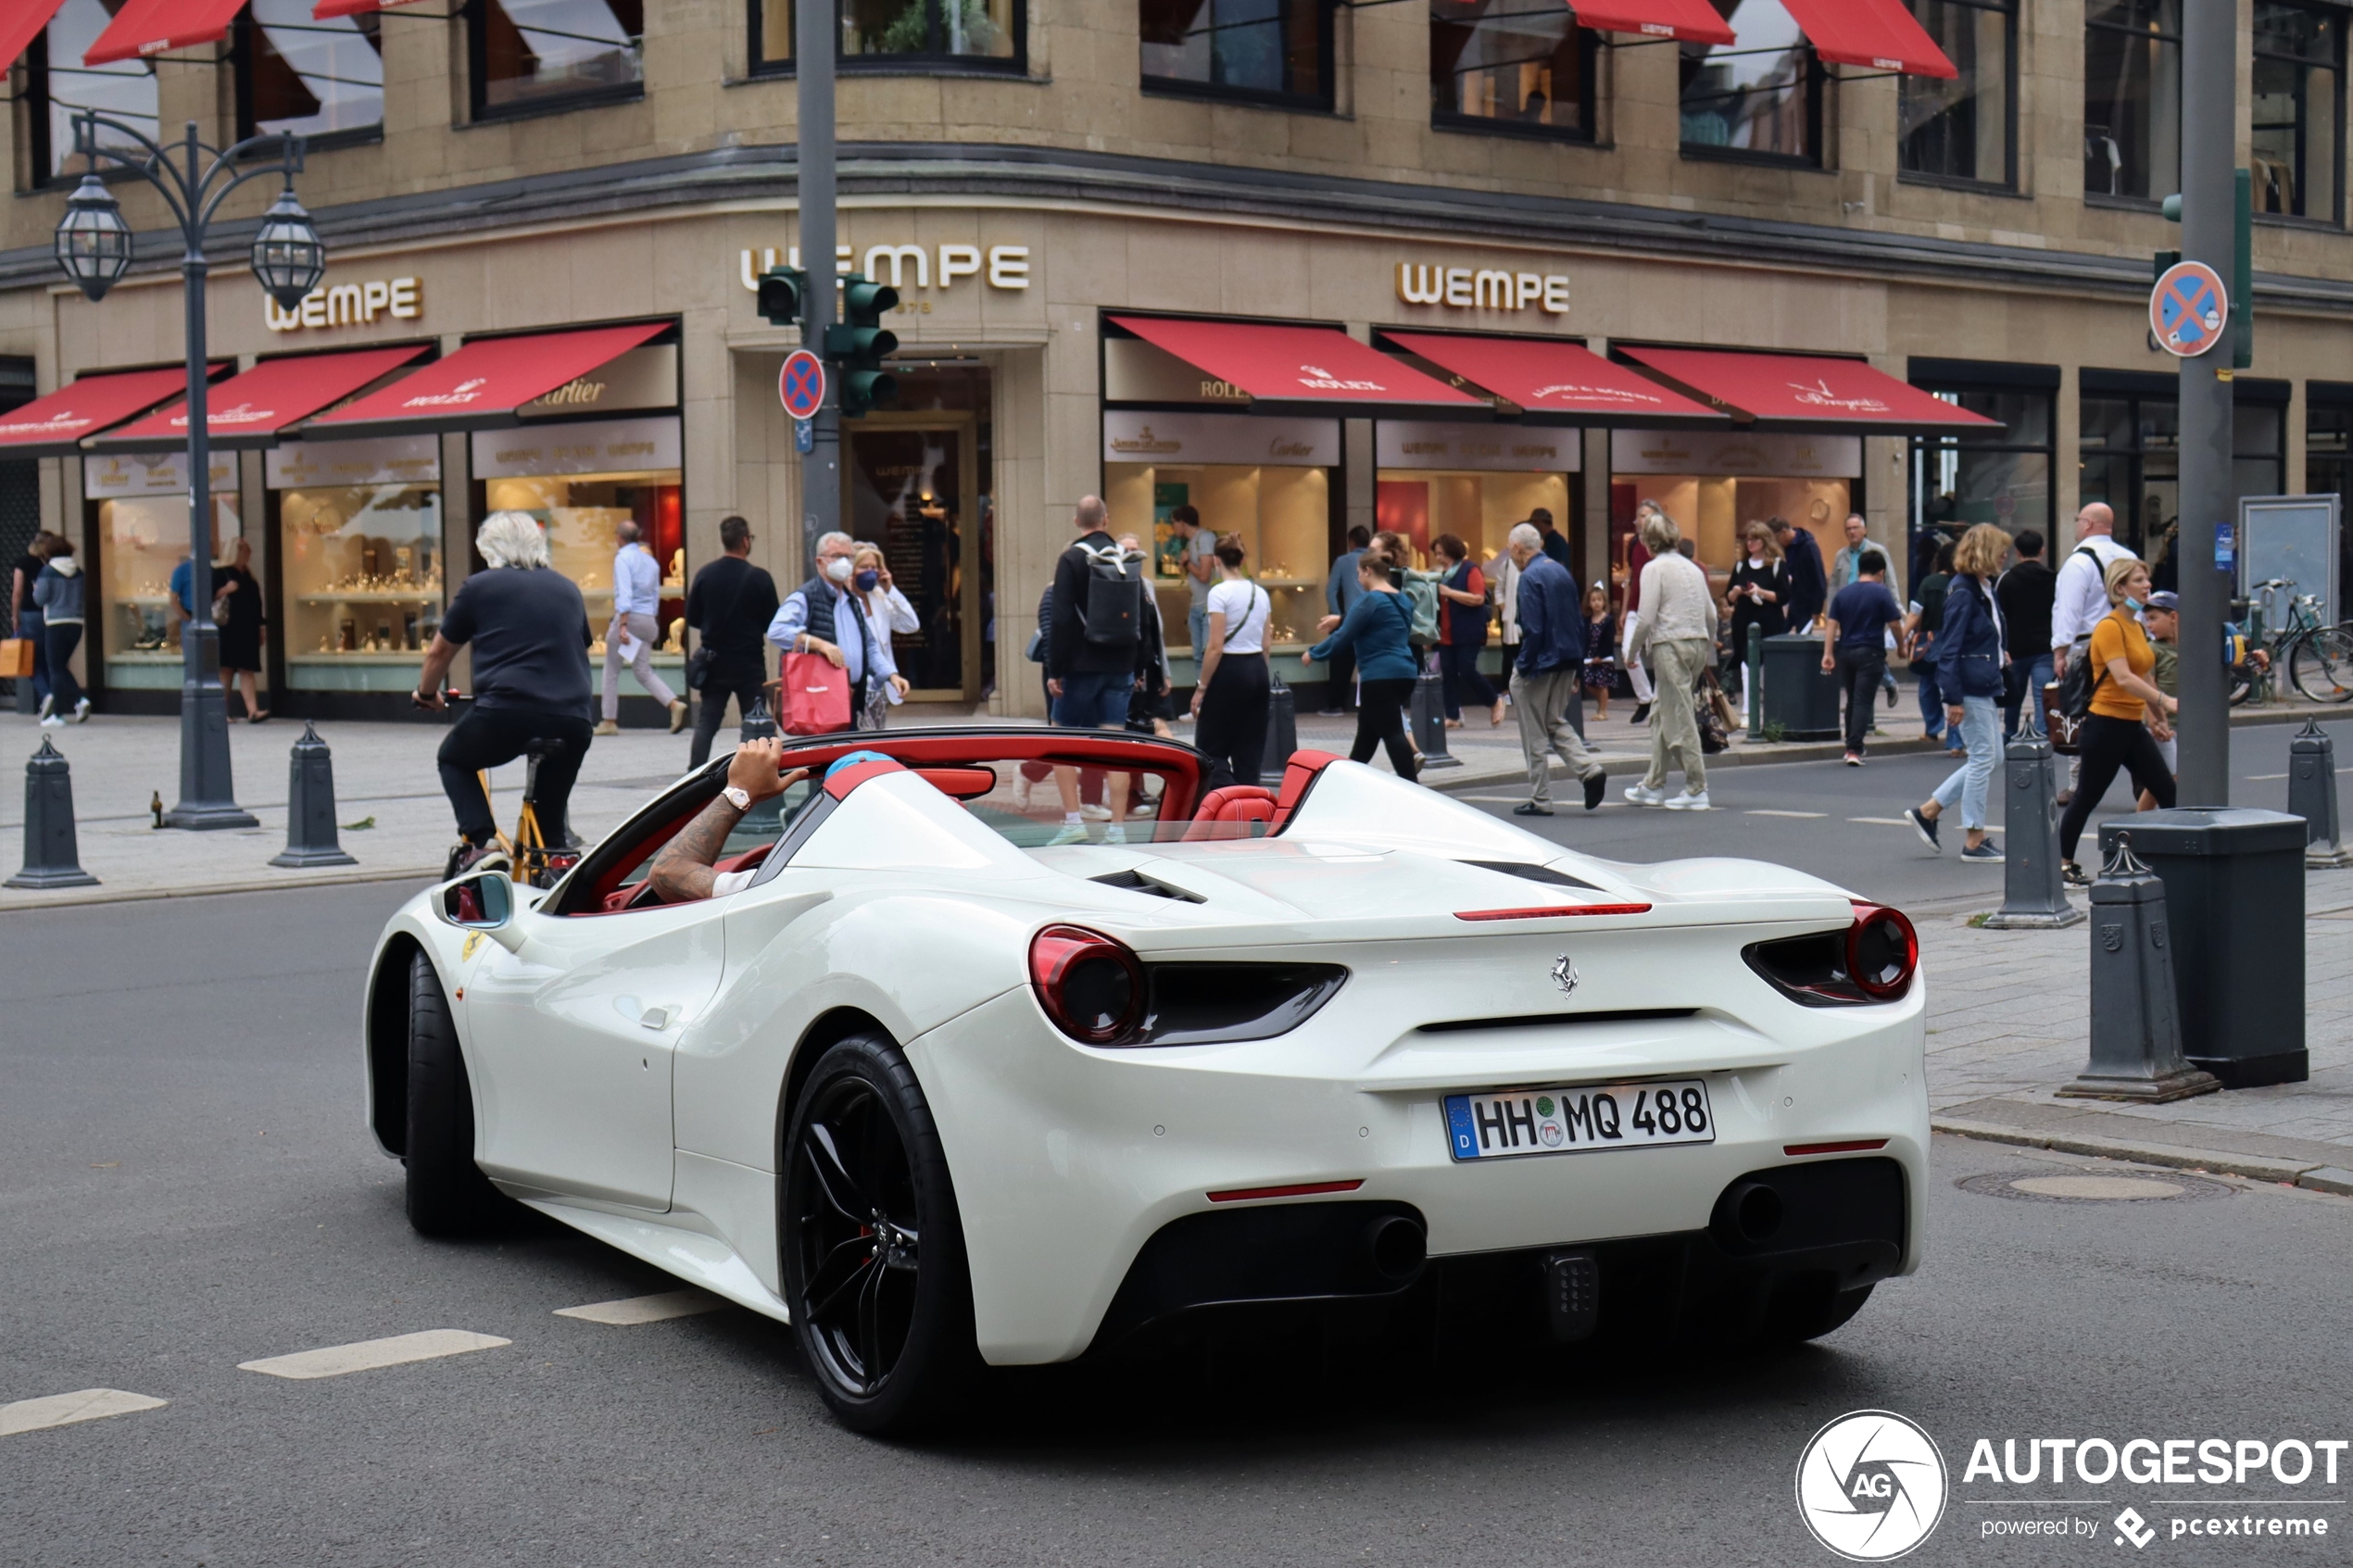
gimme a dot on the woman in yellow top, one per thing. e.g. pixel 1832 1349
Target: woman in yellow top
pixel 2113 735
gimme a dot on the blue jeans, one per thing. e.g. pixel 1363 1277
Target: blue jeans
pixel 2026 711
pixel 1197 621
pixel 1932 699
pixel 1969 782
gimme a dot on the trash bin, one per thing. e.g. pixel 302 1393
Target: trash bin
pixel 2235 898
pixel 1798 696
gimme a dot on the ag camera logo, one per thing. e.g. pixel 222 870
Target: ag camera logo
pixel 1871 1486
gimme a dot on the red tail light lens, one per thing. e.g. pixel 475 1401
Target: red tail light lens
pixel 1882 951
pixel 1090 985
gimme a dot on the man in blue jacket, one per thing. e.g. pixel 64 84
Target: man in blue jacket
pixel 1546 677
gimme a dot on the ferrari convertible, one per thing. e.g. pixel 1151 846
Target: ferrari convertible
pixel 942 1095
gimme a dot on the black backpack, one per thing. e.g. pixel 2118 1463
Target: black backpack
pixel 1114 596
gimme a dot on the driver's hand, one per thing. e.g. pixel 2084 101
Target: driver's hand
pixel 753 769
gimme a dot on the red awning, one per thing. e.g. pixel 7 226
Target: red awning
pixel 1556 382
pixel 53 426
pixel 1692 21
pixel 149 27
pixel 483 384
pixel 1302 370
pixel 255 409
pixel 1790 387
pixel 1880 34
pixel 17 32
pixel 327 10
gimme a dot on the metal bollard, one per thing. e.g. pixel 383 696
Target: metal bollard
pixel 1754 684
pixel 1282 728
pixel 1430 720
pixel 51 857
pixel 2312 794
pixel 759 724
pixel 2033 890
pixel 2137 1029
pixel 310 806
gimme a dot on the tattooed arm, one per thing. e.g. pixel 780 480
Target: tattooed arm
pixel 682 872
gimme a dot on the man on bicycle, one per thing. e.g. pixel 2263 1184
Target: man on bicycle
pixel 530 634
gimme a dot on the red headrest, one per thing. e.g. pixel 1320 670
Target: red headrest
pixel 1304 768
pixel 1235 804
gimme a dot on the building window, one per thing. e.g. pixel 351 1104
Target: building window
pixel 772 35
pixel 318 79
pixel 937 29
pixel 1271 51
pixel 1762 96
pixel 2299 110
pixel 2131 460
pixel 2328 465
pixel 2002 477
pixel 1960 130
pixel 1519 64
pixel 2132 99
pixel 60 86
pixel 534 54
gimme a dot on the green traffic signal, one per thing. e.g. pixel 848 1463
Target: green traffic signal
pixel 859 348
pixel 782 293
pixel 865 302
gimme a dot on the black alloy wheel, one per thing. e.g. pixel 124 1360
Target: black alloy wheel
pixel 873 1247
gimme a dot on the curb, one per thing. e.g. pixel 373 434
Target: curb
pixel 2314 1176
pixel 102 894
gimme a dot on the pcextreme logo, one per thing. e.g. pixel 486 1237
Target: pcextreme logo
pixel 1871 1486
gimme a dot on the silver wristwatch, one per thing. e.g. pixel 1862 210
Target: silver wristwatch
pixel 737 796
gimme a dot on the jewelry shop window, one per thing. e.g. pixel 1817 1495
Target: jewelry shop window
pixel 527 55
pixel 358 537
pixel 1762 96
pixel 2132 99
pixel 61 86
pixel 1511 65
pixel 1275 52
pixel 324 78
pixel 1961 130
pixel 137 510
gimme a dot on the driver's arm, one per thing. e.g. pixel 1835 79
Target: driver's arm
pixel 681 872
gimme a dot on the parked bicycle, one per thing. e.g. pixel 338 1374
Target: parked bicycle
pixel 2318 657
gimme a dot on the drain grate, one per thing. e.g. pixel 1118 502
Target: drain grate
pixel 2045 1184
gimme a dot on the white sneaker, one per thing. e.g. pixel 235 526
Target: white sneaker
pixel 47 703
pixel 1071 833
pixel 1115 834
pixel 1094 813
pixel 1638 796
pixel 80 711
pixel 1692 802
pixel 53 722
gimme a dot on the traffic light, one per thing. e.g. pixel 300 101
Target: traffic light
pixel 782 292
pixel 2242 265
pixel 859 348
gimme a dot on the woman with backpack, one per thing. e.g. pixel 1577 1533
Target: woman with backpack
pixel 1967 676
pixel 1462 633
pixel 1378 627
pixel 2113 737
pixel 1229 699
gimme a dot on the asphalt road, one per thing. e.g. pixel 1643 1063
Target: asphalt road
pixel 186 1184
pixel 1846 823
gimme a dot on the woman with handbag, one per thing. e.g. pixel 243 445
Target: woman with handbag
pixel 888 612
pixel 2114 735
pixel 1378 627
pixel 1969 656
pixel 27 614
pixel 1462 633
pixel 1229 699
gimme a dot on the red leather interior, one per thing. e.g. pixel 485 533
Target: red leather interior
pixel 959 783
pixel 1298 779
pixel 1225 813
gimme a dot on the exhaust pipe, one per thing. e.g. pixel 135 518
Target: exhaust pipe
pixel 1395 1247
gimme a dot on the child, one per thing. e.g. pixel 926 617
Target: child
pixel 1601 639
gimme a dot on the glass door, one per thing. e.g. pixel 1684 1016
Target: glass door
pixel 911 493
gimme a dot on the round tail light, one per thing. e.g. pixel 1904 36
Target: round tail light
pixel 1882 951
pixel 1090 985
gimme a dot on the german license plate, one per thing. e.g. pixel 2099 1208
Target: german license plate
pixel 1574 1120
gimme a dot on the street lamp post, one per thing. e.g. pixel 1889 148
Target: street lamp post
pixel 94 246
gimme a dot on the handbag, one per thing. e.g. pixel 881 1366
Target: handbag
pixel 814 699
pixel 1713 712
pixel 16 658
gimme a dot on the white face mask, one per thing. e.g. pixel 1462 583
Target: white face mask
pixel 837 570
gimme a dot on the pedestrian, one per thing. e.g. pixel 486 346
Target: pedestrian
pixel 1638 556
pixel 1198 557
pixel 1679 635
pixel 2079 600
pixel 2114 734
pixel 824 616
pixel 1340 593
pixel 1922 620
pixel 1503 587
pixel 1600 638
pixel 1847 567
pixel 1759 591
pixel 636 626
pixel 1378 630
pixel 1855 646
pixel 25 614
pixel 887 615
pixel 529 630
pixel 1555 543
pixel 244 620
pixel 2024 592
pixel 1229 701
pixel 1971 651
pixel 58 591
pixel 1094 655
pixel 2161 619
pixel 1808 587
pixel 1150 706
pixel 1551 667
pixel 729 605
pixel 1462 633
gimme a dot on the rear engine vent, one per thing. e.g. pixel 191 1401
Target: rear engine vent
pixel 1545 874
pixel 1810 971
pixel 1136 882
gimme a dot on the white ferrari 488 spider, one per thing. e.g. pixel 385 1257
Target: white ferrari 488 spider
pixel 939 1094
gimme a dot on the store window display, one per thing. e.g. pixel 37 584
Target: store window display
pixel 1713 483
pixel 139 508
pixel 1474 481
pixel 359 553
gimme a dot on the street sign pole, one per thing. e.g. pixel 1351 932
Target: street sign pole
pixel 813 47
pixel 2210 134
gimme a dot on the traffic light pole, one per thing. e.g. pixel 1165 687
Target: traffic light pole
pixel 2209 139
pixel 813 47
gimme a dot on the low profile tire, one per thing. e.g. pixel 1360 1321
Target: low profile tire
pixel 448 1196
pixel 874 1251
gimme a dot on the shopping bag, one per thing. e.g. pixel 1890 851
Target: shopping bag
pixel 16 658
pixel 814 699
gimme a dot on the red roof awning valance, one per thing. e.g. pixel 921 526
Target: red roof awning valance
pixel 1694 22
pixel 326 10
pixel 18 31
pixel 483 384
pixel 1789 388
pixel 1302 370
pixel 1556 382
pixel 53 426
pixel 1877 34
pixel 150 27
pixel 255 409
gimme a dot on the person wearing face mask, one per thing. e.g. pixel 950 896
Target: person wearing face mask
pixel 825 616
pixel 886 611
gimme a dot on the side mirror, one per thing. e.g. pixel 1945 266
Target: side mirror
pixel 483 902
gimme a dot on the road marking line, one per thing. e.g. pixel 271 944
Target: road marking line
pixel 2263 777
pixel 634 1310
pixel 64 1410
pixel 1763 812
pixel 1882 821
pixel 333 1360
